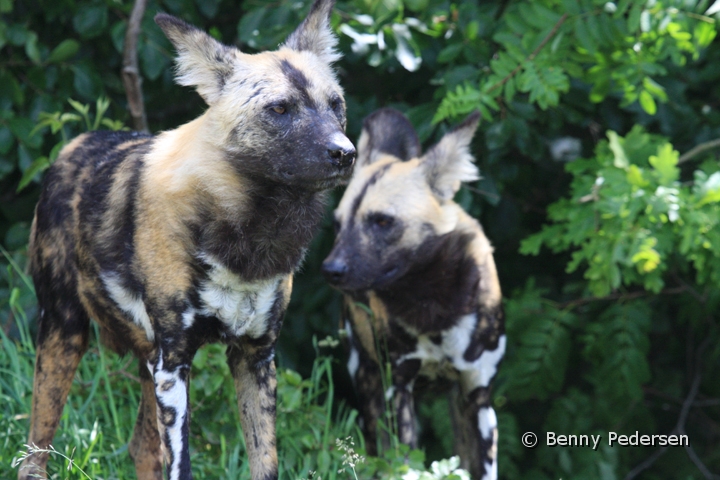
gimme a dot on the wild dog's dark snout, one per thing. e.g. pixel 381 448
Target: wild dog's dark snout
pixel 342 152
pixel 335 269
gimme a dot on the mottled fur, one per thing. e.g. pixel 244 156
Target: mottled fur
pixel 425 269
pixel 189 237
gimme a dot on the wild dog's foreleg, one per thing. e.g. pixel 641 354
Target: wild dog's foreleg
pixel 367 379
pixel 61 345
pixel 403 378
pixel 144 447
pixel 253 369
pixel 171 375
pixel 474 418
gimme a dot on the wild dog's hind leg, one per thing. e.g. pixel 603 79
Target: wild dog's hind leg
pixel 253 368
pixel 62 341
pixel 474 418
pixel 145 448
pixel 475 427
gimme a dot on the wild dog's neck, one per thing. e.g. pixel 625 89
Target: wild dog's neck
pixel 439 288
pixel 269 235
pixel 257 228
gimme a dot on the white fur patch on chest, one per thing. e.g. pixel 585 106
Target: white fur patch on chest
pixel 241 305
pixel 449 354
pixel 128 301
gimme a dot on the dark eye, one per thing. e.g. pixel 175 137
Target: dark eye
pixel 381 220
pixel 279 109
pixel 335 103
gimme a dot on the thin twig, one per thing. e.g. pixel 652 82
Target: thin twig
pixel 130 71
pixel 698 149
pixel 619 296
pixel 532 56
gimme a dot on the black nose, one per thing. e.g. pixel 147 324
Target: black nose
pixel 342 157
pixel 334 270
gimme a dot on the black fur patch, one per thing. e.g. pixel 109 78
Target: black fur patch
pixel 486 339
pixel 272 239
pixel 357 201
pixel 439 288
pixel 299 81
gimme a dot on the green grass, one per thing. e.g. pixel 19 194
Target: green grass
pixel 100 414
pixel 317 438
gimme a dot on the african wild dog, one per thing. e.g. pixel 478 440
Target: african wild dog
pixel 425 269
pixel 189 237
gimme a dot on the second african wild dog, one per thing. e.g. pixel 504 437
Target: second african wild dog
pixel 189 237
pixel 425 269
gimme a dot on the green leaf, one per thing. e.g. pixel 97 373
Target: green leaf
pixel 416 5
pixel 704 34
pixel 633 22
pixel 153 62
pixel 583 36
pixel 635 177
pixel 665 163
pixel 91 21
pixel 619 157
pixel 64 51
pixel 209 8
pixel 17 34
pixel 10 89
pixel 22 128
pixel 38 165
pixel 655 89
pixel 647 102
pixel 450 53
pixel 31 48
pixel 6 140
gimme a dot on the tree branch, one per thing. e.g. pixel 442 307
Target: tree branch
pixel 698 149
pixel 130 71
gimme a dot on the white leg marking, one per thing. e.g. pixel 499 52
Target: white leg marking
pixel 128 301
pixel 171 392
pixel 487 425
pixel 487 422
pixel 353 362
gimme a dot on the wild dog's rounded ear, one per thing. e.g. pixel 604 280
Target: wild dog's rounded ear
pixel 387 131
pixel 202 61
pixel 314 33
pixel 449 162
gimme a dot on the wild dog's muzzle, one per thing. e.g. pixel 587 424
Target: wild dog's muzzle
pixel 342 151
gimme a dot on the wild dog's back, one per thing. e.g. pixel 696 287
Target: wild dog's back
pixel 78 221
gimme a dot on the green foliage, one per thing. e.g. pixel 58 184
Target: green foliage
pixel 617 49
pixel 630 218
pixel 609 263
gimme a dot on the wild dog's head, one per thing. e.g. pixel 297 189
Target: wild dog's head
pixel 279 115
pixel 397 201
